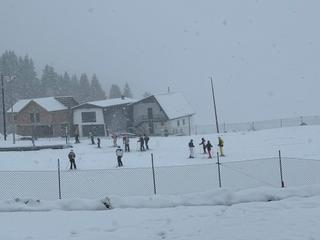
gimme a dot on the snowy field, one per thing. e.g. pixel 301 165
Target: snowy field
pixel 267 212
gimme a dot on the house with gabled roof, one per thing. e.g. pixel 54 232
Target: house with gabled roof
pixel 102 117
pixel 42 117
pixel 162 114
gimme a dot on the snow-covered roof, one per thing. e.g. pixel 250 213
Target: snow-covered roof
pixel 49 103
pixel 112 102
pixel 174 105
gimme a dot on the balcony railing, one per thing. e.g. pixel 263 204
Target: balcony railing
pixel 145 118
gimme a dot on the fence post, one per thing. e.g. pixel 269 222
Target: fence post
pixel 59 178
pixel 281 176
pixel 153 176
pixel 219 172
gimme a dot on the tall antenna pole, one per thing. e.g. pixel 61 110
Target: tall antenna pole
pixel 3 109
pixel 215 107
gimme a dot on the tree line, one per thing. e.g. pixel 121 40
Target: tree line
pixel 24 82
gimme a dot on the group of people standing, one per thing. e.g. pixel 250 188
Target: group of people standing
pixel 207 147
pixel 143 140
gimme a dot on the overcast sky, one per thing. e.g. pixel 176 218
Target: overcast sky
pixel 264 54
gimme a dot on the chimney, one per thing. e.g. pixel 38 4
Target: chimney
pixel 122 97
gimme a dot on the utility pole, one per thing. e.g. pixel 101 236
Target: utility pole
pixel 3 109
pixel 215 107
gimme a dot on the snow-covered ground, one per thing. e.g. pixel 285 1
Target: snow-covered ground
pixel 208 213
pixel 301 142
pixel 265 213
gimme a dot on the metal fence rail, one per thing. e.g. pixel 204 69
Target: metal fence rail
pixel 257 125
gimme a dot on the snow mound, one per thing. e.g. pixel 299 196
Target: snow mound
pixel 210 198
pixel 215 197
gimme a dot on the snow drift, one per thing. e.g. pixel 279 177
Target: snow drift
pixel 209 198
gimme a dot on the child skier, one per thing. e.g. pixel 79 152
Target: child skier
pixel 191 148
pixel 119 153
pixel 221 144
pixel 72 159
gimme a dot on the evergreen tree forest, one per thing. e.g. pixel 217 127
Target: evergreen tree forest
pixel 24 83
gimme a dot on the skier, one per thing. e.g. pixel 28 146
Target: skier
pixel 209 146
pixel 126 143
pixel 141 141
pixel 203 143
pixel 92 138
pixel 72 159
pixel 119 153
pixel 98 142
pixel 115 138
pixel 191 147
pixel 221 144
pixel 146 140
pixel 76 136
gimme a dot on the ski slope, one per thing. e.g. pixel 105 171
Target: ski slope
pixel 268 212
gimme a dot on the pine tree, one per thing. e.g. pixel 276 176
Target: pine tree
pixel 127 91
pixel 84 89
pixel 97 93
pixel 75 87
pixel 66 85
pixel 115 91
pixel 50 82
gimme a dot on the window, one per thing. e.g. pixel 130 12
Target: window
pixel 183 121
pixel 32 117
pixel 37 117
pixel 88 117
pixel 178 123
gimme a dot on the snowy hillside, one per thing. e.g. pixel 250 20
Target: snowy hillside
pixel 267 212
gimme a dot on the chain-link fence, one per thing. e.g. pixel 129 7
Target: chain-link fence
pixel 160 180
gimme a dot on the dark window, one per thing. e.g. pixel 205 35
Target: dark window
pixel 88 117
pixel 150 113
pixel 178 123
pixel 32 117
pixel 183 121
pixel 37 117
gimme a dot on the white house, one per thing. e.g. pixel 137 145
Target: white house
pixel 102 117
pixel 163 114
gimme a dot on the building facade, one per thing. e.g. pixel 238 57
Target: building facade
pixel 162 114
pixel 41 117
pixel 103 117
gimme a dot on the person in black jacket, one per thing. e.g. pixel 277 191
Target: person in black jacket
pixel 191 148
pixel 72 159
pixel 209 147
pixel 203 143
pixel 146 140
pixel 141 141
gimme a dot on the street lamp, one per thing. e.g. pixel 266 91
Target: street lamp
pixel 214 105
pixel 3 105
pixel 3 109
